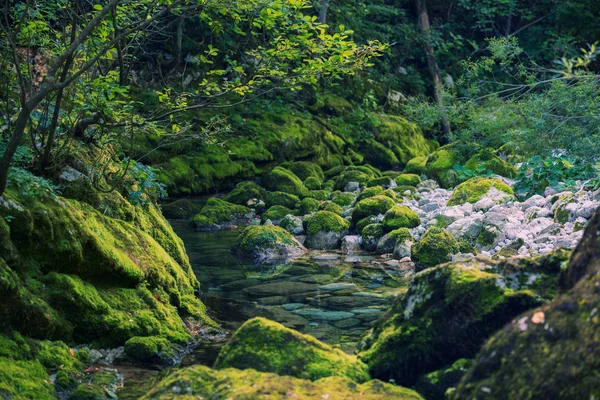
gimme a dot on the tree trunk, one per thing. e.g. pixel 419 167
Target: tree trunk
pixel 323 11
pixel 12 146
pixel 425 27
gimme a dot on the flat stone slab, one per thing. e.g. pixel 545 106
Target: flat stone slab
pixel 284 288
pixel 337 286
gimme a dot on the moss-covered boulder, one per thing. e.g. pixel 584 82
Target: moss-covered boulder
pixel 398 241
pixel 290 201
pixel 370 192
pixel 305 170
pixel 276 213
pixel 313 183
pixel 446 314
pixel 150 349
pixel 331 207
pixel 180 209
pixel 434 385
pixel 284 180
pixel 416 165
pixel 266 243
pixel 217 212
pixel 325 230
pixel 408 180
pixel 435 247
pixel 292 224
pixel 372 206
pixel 400 217
pixel 362 175
pixel 246 194
pixel 268 346
pixel 384 181
pixel 371 235
pixel 475 189
pixel 552 351
pixel 308 205
pixel 487 159
pixel 440 165
pixel 344 199
pixel 199 381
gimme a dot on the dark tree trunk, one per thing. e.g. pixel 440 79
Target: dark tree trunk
pixel 323 11
pixel 434 70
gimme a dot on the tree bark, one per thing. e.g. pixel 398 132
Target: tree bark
pixel 323 11
pixel 434 70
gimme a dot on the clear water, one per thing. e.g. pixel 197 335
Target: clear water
pixel 331 296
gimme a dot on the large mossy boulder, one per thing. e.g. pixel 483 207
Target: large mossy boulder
pixel 361 175
pixel 284 180
pixel 371 235
pixel 217 212
pixel 325 230
pixel 266 243
pixel 199 381
pixel 436 246
pixel 416 165
pixel 372 206
pixel 447 313
pixel 400 217
pixel 550 352
pixel 305 170
pixel 268 346
pixel 408 180
pixel 290 201
pixel 151 349
pixel 180 209
pixel 475 189
pixel 246 194
pixel 440 165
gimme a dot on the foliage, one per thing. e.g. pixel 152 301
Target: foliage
pixel 141 183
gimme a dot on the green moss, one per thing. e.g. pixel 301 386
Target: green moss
pixel 284 180
pixel 370 192
pixel 344 199
pixel 216 212
pixel 490 161
pixel 400 217
pixel 199 381
pixel 305 170
pixel 245 192
pixel 447 312
pixel 326 221
pixel 408 180
pixel 488 236
pixel 416 165
pixel 313 183
pixel 401 235
pixel 379 155
pixel 282 199
pixel 435 384
pixel 440 165
pixel 180 209
pixel 371 235
pixel 334 105
pixel 435 247
pixel 267 346
pixel 381 181
pixel 476 188
pixel 320 195
pixel 98 386
pixel 147 349
pixel 354 174
pixel 276 213
pixel 258 238
pixel 371 206
pixel 360 225
pixel 21 380
pixel 308 205
pixel 332 207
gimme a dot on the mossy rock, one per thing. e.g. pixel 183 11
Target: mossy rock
pixel 334 105
pixel 308 205
pixel 284 180
pixel 150 348
pixel 441 162
pixel 385 181
pixel 344 199
pixel 313 183
pixel 268 346
pixel 370 192
pixel 180 209
pixel 246 193
pixel 325 230
pixel 25 380
pixel 436 246
pixel 475 189
pixel 200 381
pixel 217 212
pixel 416 165
pixel 388 242
pixel 290 201
pixel 487 159
pixel 371 234
pixel 354 174
pixel 447 313
pixel 266 243
pixel 408 180
pixel 547 352
pixel 435 384
pixel 276 213
pixel 360 225
pixel 100 385
pixel 331 207
pixel 371 206
pixel 400 217
pixel 320 195
pixel 305 170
